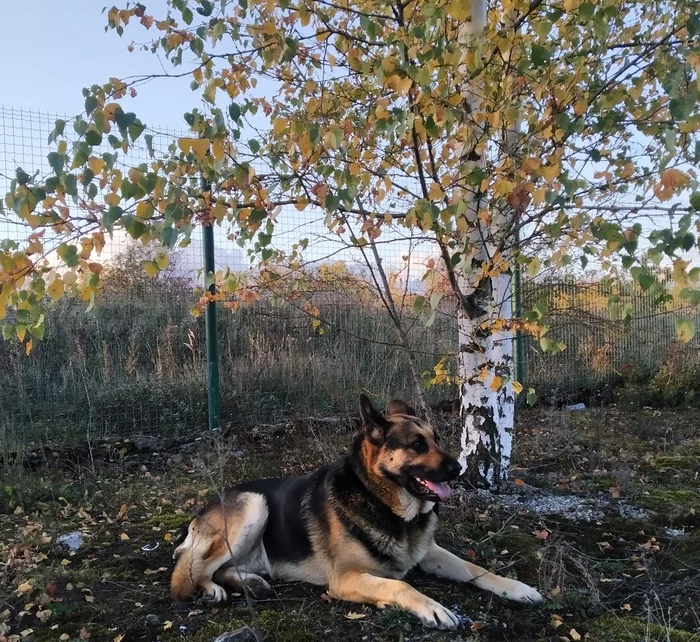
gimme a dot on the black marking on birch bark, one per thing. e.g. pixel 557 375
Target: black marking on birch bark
pixel 487 455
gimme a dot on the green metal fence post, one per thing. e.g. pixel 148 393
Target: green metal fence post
pixel 519 352
pixel 213 386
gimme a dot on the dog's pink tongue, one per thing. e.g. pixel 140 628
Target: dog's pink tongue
pixel 442 490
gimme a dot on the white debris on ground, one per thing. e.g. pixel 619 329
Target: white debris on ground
pixel 572 507
pixel 72 541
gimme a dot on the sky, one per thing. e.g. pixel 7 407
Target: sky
pixel 51 49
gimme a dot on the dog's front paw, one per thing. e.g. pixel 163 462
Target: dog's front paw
pixel 213 593
pixel 519 592
pixel 435 615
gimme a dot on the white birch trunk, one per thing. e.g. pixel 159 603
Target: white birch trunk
pixel 487 410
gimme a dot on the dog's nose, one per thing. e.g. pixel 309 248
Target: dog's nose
pixel 454 468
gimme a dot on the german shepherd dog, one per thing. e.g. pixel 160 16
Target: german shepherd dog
pixel 356 526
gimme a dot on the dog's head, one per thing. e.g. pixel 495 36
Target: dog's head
pixel 404 449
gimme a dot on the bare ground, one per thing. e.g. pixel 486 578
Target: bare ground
pixel 602 516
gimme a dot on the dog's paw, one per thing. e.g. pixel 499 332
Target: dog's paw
pixel 519 592
pixel 258 587
pixel 435 615
pixel 214 593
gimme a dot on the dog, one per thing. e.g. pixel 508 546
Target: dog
pixel 357 526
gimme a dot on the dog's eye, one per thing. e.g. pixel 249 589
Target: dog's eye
pixel 419 445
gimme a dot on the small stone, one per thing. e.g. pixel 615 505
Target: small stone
pixel 152 621
pixel 239 635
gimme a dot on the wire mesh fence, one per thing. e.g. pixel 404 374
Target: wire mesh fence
pixel 136 362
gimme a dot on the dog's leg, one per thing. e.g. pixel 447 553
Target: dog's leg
pixel 442 563
pixel 370 589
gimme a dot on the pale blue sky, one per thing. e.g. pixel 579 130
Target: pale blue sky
pixel 51 49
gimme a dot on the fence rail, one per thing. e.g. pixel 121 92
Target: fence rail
pixel 136 362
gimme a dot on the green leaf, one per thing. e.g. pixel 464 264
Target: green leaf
pixel 136 129
pixel 149 144
pixel 112 215
pixel 234 111
pixel 531 397
pixel 56 161
pixel 254 145
pixel 93 137
pixel 419 304
pixel 539 55
pixel 68 254
pixel 71 184
pixel 695 200
pixel 8 331
pixel 206 9
pixel 169 236
pixel 90 104
pixel 693 24
pixel 685 330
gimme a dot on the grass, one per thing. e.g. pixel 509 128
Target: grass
pixel 612 580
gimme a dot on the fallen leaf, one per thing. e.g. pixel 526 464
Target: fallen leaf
pixel 575 635
pixel 167 625
pixel 64 636
pixel 354 616
pixel 89 599
pixel 24 588
pixel 43 615
pixel 84 634
pixel 477 626
pixel 557 621
pixel 118 638
pixel 26 632
pixel 543 534
pixel 614 491
pixel 123 537
pixel 326 598
pixel 626 607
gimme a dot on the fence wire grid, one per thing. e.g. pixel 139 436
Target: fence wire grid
pixel 136 362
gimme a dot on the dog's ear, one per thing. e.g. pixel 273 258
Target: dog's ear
pixel 374 423
pixel 398 407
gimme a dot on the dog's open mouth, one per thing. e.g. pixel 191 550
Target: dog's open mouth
pixel 437 489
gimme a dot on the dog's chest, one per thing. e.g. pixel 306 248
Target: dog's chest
pixel 403 547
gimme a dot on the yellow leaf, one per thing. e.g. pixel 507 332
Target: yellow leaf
pixel 279 125
pixel 549 172
pixel 218 150
pixel 517 387
pixel 21 332
pixel 24 588
pixel 151 268
pixel 56 289
pixel 354 616
pixel 124 537
pixel 458 9
pixel 200 147
pixel 185 144
pixel 626 607
pixel 575 635
pixel 496 383
pixel 28 347
pixel 112 199
pixel 144 209
pixel 96 164
pixel 118 638
pixel 162 261
pixel 435 192
pixel 64 636
pixel 167 625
